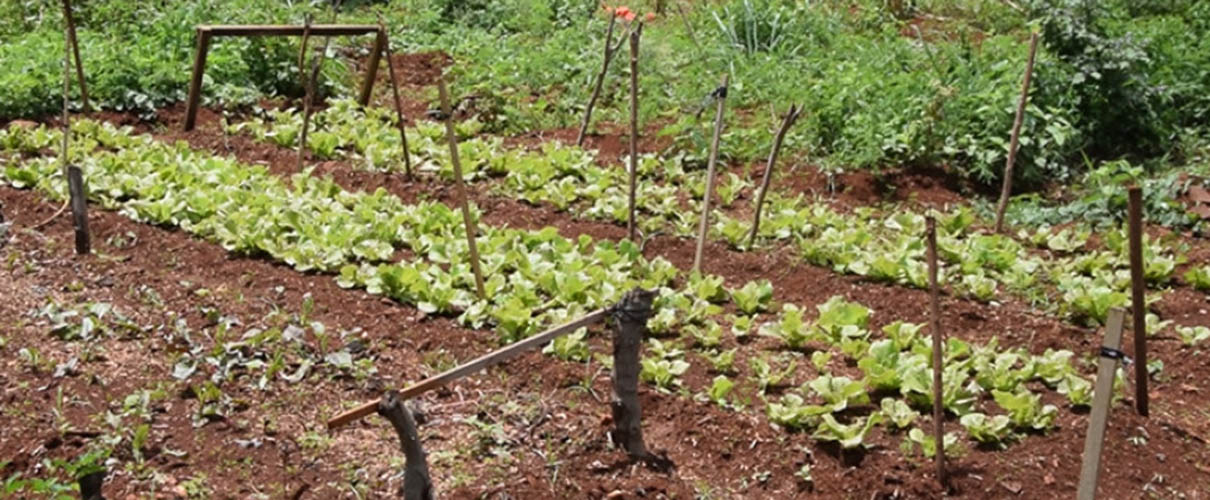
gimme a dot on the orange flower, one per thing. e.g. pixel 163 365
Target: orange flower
pixel 622 11
pixel 629 16
pixel 650 16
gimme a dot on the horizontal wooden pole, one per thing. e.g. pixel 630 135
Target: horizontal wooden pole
pixel 287 30
pixel 471 367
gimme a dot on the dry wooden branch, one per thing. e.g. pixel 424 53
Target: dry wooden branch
pixel 938 355
pixel 720 96
pixel 787 122
pixel 417 485
pixel 474 366
pixel 306 83
pixel 610 51
pixel 635 35
pixel 1014 140
pixel 460 186
pixel 75 48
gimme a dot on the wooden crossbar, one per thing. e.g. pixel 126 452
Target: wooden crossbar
pixel 474 366
pixel 206 32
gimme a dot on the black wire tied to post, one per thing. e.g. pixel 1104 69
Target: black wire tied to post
pixel 1111 353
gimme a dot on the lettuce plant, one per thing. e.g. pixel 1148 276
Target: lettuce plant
pixel 753 297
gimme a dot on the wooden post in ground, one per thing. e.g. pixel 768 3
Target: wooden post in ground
pixel 610 50
pixel 459 185
pixel 471 367
pixel 720 96
pixel 79 208
pixel 195 84
pixel 403 136
pixel 632 224
pixel 1014 140
pixel 90 485
pixel 75 48
pixel 417 485
pixel 306 83
pixel 367 86
pixel 1138 286
pixel 787 122
pixel 938 346
pixel 1107 369
pixel 630 322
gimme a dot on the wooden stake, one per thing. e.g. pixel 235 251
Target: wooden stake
pixel 205 32
pixel 367 86
pixel 721 98
pixel 75 48
pixel 787 122
pixel 938 354
pixel 632 224
pixel 79 208
pixel 195 85
pixel 416 482
pixel 1014 140
pixel 630 321
pixel 610 51
pixel 1138 286
pixel 469 368
pixel 403 136
pixel 1094 440
pixel 309 97
pixel 306 83
pixel 460 187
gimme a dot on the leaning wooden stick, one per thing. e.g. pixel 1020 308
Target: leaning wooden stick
pixel 500 355
pixel 787 122
pixel 720 96
pixel 1138 286
pixel 66 125
pixel 938 357
pixel 75 48
pixel 610 51
pixel 403 136
pixel 1014 140
pixel 1094 440
pixel 460 186
pixel 632 224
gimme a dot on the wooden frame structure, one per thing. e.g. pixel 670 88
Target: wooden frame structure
pixel 206 32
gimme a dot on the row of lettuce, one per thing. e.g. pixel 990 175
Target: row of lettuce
pixel 537 278
pixel 1047 267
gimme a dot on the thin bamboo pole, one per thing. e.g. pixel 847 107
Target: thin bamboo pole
pixel 1138 300
pixel 938 355
pixel 1014 140
pixel 635 35
pixel 403 136
pixel 721 97
pixel 460 186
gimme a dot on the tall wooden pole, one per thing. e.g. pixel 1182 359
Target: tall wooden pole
pixel 75 48
pixel 632 224
pixel 1138 287
pixel 721 97
pixel 938 355
pixel 460 187
pixel 307 89
pixel 1014 140
pixel 787 122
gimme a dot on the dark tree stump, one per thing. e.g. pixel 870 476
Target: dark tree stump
pixel 630 320
pixel 416 482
